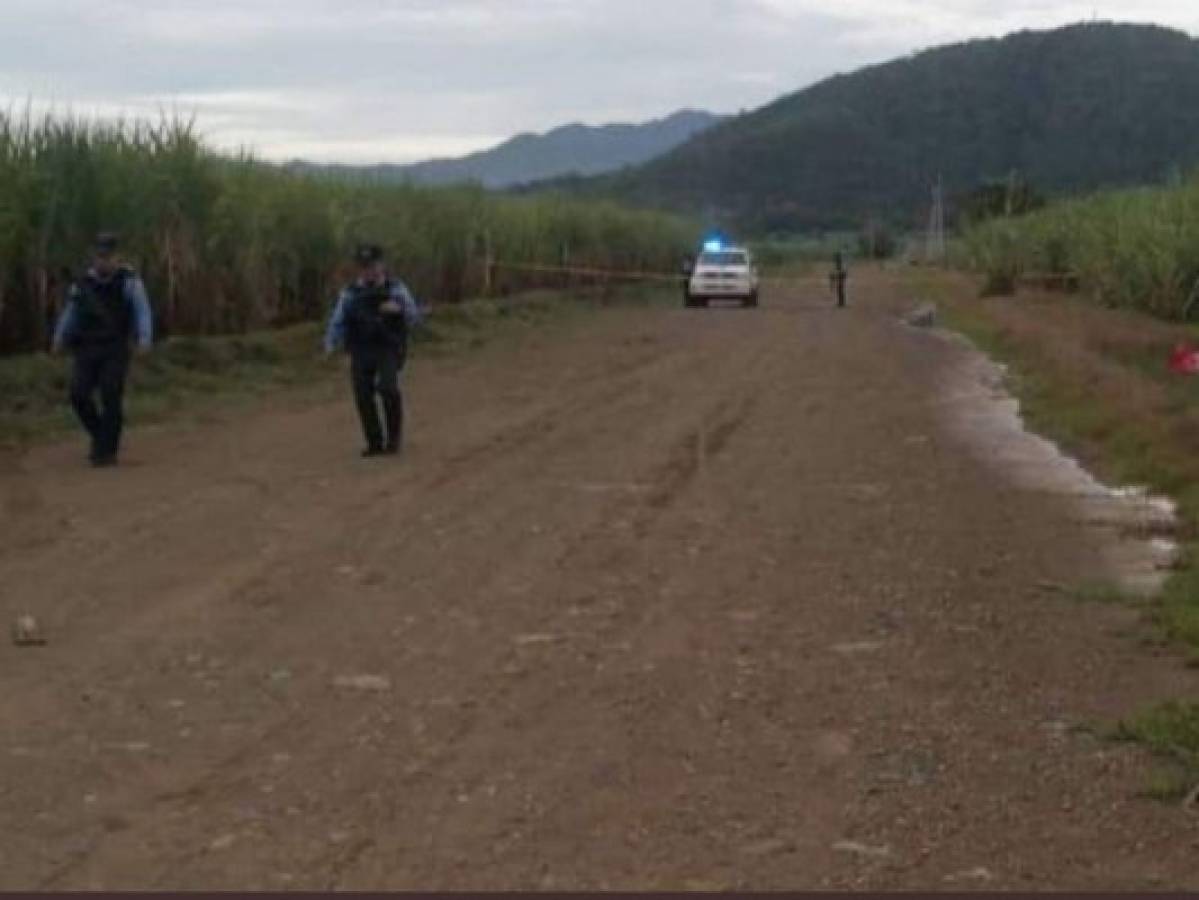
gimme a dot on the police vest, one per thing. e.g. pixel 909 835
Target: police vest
pixel 367 327
pixel 103 314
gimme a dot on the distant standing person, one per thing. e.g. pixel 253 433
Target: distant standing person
pixel 372 319
pixel 107 310
pixel 838 277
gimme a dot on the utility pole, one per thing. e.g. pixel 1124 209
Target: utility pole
pixel 936 227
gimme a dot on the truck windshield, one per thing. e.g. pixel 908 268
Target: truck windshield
pixel 730 258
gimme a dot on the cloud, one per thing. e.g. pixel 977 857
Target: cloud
pixel 404 79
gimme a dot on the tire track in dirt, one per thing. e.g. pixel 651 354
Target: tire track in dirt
pixel 697 446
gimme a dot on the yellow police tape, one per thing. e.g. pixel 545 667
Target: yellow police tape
pixel 598 273
pixel 603 273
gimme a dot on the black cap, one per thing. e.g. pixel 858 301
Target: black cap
pixel 368 254
pixel 106 243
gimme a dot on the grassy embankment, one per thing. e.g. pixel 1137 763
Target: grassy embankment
pixel 1091 371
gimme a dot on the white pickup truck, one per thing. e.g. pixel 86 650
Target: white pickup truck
pixel 725 274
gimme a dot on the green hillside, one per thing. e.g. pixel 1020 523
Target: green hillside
pixel 1071 110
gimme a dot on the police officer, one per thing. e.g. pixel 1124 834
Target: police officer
pixel 372 319
pixel 838 277
pixel 106 311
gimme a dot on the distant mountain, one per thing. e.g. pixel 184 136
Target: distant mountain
pixel 1069 110
pixel 570 150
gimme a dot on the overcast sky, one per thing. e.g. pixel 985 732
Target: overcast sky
pixel 398 80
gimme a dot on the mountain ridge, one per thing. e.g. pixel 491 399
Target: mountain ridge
pixel 571 149
pixel 1071 110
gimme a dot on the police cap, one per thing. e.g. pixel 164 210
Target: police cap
pixel 106 243
pixel 368 254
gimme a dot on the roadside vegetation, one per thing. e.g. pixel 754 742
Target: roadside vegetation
pixel 228 244
pixel 1134 249
pixel 801 255
pixel 798 256
pixel 1094 377
pixel 1172 732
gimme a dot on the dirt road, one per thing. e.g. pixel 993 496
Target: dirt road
pixel 657 599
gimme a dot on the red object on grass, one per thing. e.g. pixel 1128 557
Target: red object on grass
pixel 1185 360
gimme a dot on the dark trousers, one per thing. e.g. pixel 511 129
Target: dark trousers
pixel 839 288
pixel 377 372
pixel 101 370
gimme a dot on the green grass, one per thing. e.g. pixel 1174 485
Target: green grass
pixel 1101 593
pixel 188 375
pixel 1171 731
pixel 1169 786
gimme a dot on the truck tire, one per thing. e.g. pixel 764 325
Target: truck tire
pixel 752 300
